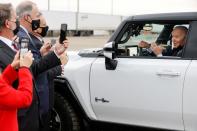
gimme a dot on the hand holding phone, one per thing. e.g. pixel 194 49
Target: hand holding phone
pixel 16 62
pixel 61 48
pixel 63 33
pixel 27 60
pixel 53 41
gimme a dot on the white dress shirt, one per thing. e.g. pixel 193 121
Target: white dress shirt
pixel 7 42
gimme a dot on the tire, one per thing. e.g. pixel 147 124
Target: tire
pixel 63 117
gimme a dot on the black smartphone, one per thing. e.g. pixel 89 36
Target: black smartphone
pixel 24 41
pixel 63 33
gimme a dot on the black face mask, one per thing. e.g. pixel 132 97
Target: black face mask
pixel 15 31
pixel 35 24
pixel 44 31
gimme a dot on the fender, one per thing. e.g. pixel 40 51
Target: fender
pixel 62 86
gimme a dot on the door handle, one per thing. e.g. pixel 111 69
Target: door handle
pixel 168 73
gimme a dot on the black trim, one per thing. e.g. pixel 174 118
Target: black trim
pixel 63 87
pixel 149 57
pixel 108 49
pixel 90 53
pixel 110 64
pixel 111 126
pixel 184 16
pixel 117 31
pixel 144 57
pixel 171 18
pixel 190 50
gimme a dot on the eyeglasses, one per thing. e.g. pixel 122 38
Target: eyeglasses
pixel 12 21
pixel 16 22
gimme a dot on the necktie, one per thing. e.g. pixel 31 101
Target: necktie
pixel 15 46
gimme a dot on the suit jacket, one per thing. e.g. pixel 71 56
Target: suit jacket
pixel 31 46
pixel 29 117
pixel 45 84
pixel 41 80
pixel 172 52
pixel 167 52
pixel 45 80
pixel 52 74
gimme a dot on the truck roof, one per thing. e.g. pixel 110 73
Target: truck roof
pixel 180 16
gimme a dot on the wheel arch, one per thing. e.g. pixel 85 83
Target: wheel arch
pixel 63 87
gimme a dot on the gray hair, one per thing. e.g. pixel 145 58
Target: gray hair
pixel 183 28
pixel 5 13
pixel 24 8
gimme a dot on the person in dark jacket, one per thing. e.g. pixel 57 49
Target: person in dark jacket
pixel 31 20
pixel 28 118
pixel 48 82
pixel 179 35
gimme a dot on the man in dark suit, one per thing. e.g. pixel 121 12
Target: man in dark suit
pixel 44 81
pixel 179 34
pixel 30 19
pixel 28 118
pixel 47 84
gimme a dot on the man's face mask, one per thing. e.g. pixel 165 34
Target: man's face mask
pixel 35 24
pixel 44 31
pixel 16 30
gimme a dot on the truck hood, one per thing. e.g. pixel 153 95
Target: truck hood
pixel 92 52
pixel 73 55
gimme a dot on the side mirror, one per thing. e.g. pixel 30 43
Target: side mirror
pixel 109 53
pixel 109 50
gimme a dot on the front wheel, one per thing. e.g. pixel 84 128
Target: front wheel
pixel 63 117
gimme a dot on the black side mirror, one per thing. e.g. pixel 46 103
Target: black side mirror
pixel 110 54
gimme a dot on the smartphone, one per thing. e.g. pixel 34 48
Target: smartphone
pixel 53 41
pixel 63 33
pixel 24 41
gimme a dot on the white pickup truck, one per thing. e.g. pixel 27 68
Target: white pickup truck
pixel 121 87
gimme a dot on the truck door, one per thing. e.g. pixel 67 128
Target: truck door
pixel 190 88
pixel 141 90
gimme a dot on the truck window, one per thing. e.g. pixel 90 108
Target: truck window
pixel 139 40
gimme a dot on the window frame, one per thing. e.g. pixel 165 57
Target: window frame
pixel 126 26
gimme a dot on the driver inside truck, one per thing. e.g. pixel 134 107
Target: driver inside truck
pixel 179 35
